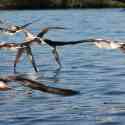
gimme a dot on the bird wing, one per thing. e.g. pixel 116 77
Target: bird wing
pixel 35 85
pixel 54 43
pixel 41 87
pixel 46 29
pixel 31 57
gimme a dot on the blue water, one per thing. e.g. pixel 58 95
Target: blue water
pixel 98 74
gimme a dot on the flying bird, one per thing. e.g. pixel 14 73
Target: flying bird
pixel 35 85
pixel 15 28
pixel 38 39
pixel 20 48
pixel 31 38
pixel 25 47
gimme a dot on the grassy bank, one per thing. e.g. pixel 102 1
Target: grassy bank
pixel 42 4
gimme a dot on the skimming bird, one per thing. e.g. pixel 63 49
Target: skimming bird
pixel 14 28
pixel 100 43
pixel 24 47
pixel 39 39
pixel 34 85
pixel 30 39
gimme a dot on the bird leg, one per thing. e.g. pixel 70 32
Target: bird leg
pixel 56 56
pixel 18 55
pixel 31 58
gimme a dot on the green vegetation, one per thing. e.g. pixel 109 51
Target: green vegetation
pixel 41 4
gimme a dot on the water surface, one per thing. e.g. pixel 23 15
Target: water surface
pixel 98 74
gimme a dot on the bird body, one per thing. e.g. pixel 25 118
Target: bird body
pixel 15 29
pixel 4 86
pixel 34 85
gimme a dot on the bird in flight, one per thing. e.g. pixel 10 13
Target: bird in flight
pixel 35 85
pixel 24 47
pixel 15 28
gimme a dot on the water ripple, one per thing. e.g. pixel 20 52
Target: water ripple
pixel 98 74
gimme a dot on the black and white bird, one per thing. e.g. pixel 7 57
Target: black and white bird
pixel 25 46
pixel 35 85
pixel 39 39
pixel 12 29
pixel 20 48
pixel 100 43
pixel 31 39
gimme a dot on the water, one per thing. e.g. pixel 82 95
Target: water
pixel 98 74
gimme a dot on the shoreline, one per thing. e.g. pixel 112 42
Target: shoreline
pixel 9 9
pixel 58 4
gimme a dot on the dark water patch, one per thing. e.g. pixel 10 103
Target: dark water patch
pixel 114 103
pixel 110 123
pixel 115 93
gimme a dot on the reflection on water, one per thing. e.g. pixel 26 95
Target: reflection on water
pixel 98 74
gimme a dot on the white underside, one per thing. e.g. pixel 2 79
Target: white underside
pixel 107 45
pixel 3 85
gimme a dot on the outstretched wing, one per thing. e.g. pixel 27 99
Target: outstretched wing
pixel 46 29
pixel 16 28
pixel 62 43
pixel 100 43
pixel 38 86
pixel 41 87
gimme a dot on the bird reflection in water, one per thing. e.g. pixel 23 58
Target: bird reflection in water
pixel 55 75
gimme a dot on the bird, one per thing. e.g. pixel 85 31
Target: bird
pixel 15 28
pixel 20 48
pixel 24 47
pixel 31 38
pixel 35 85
